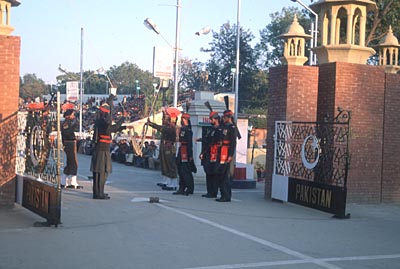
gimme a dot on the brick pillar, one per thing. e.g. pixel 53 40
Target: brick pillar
pixel 391 141
pixel 9 93
pixel 359 88
pixel 292 96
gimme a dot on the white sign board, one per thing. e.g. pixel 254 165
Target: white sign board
pixel 163 62
pixel 72 91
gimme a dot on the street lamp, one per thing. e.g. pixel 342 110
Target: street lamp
pixel 204 31
pixel 314 32
pixel 149 23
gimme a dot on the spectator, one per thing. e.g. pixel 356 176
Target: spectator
pixel 154 160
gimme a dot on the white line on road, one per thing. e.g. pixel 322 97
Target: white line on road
pixel 304 258
pixel 293 262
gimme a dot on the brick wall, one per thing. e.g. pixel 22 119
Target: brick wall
pixel 360 89
pixel 326 91
pixel 371 95
pixel 9 92
pixel 292 96
pixel 391 141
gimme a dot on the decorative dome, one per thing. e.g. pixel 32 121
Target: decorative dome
pixel 295 29
pixel 389 39
pixel 371 5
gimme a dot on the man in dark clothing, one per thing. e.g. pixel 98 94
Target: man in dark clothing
pixel 228 147
pixel 210 155
pixel 169 170
pixel 68 127
pixel 101 165
pixel 185 157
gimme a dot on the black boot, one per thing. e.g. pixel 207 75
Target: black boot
pixel 178 192
pixel 96 185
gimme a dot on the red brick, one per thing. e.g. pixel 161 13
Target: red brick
pixel 309 93
pixel 9 91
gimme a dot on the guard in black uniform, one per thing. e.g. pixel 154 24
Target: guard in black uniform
pixel 227 151
pixel 211 154
pixel 185 157
pixel 68 127
pixel 101 165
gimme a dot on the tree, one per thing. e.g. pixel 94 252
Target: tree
pixel 257 117
pixel 124 78
pixel 223 59
pixel 380 20
pixel 256 89
pixel 190 74
pixel 223 56
pixel 31 86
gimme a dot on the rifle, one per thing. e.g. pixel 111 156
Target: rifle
pixel 226 99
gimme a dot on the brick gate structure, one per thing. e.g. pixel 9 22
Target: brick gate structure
pixel 342 79
pixel 9 93
pixel 303 93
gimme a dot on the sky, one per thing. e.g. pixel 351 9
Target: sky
pixel 114 33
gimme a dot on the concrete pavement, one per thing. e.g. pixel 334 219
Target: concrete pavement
pixel 195 232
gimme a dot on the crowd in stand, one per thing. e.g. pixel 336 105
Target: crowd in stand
pixel 133 104
pixel 122 151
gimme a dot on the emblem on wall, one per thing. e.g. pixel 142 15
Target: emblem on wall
pixel 37 145
pixel 310 151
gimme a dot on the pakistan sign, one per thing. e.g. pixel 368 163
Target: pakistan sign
pixel 311 161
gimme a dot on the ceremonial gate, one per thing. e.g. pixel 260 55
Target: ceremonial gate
pixel 311 162
pixel 38 161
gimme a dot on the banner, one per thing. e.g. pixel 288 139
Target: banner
pixel 72 91
pixel 163 62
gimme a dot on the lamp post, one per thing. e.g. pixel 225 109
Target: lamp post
pixel 314 32
pixel 237 62
pixel 177 39
pixel 149 23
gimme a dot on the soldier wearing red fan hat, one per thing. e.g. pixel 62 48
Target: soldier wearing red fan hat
pixel 185 161
pixel 210 153
pixel 68 127
pixel 169 171
pixel 101 165
pixel 227 151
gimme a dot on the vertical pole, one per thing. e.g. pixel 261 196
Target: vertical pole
pixel 311 61
pixel 81 86
pixel 177 36
pixel 58 165
pixel 315 37
pixel 233 81
pixel 237 61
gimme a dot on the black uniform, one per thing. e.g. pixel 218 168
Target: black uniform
pixel 211 160
pixel 101 164
pixel 184 159
pixel 69 141
pixel 227 149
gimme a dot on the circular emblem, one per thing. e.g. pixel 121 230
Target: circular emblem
pixel 36 145
pixel 310 151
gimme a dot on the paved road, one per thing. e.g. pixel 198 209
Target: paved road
pixel 194 232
